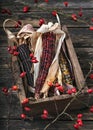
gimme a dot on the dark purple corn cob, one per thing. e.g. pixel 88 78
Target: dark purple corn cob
pixel 24 53
pixel 48 52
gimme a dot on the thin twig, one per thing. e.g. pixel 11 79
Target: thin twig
pixel 69 116
pixel 56 107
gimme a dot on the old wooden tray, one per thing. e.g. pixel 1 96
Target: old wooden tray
pixel 56 104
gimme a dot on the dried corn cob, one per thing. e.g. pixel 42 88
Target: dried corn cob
pixel 53 68
pixel 48 52
pixel 24 53
pixel 66 74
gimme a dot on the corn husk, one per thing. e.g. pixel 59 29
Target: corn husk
pixel 10 35
pixel 37 54
pixel 59 76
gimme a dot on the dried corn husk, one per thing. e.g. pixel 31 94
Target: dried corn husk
pixel 37 54
pixel 59 76
pixel 27 32
pixel 10 35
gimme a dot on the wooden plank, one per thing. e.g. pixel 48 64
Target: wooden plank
pixel 59 125
pixel 19 82
pixel 6 82
pixel 3 105
pixel 3 124
pixel 79 78
pixel 4 66
pixel 56 106
pixel 81 37
pixel 86 53
pixel 33 17
pixel 56 3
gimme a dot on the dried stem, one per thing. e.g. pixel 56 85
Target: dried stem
pixel 69 116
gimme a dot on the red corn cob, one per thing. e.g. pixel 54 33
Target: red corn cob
pixel 48 40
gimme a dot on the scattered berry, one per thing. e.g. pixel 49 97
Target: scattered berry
pixel 25 9
pixel 15 53
pixel 14 88
pixel 5 90
pixel 23 116
pixel 69 91
pixel 79 115
pixel 91 109
pixel 91 76
pixel 46 1
pixel 91 28
pixel 45 112
pixel 44 116
pixel 27 109
pixel 65 3
pixel 54 13
pixel 80 13
pixel 34 61
pixel 76 126
pixel 31 55
pixel 41 21
pixel 22 74
pixel 73 90
pixel 74 17
pixel 90 91
pixel 26 100
pixel 60 88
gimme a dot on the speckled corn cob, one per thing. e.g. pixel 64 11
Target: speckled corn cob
pixel 48 40
pixel 66 75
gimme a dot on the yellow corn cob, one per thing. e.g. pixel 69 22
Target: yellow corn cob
pixel 66 76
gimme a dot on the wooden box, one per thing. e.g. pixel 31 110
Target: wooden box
pixel 56 104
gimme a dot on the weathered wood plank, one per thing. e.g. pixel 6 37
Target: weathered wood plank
pixel 6 82
pixel 85 53
pixel 4 51
pixel 33 17
pixel 59 125
pixel 7 107
pixel 5 71
pixel 81 37
pixel 56 3
pixel 3 105
pixel 3 124
pixel 79 78
pixel 4 66
pixel 18 79
pixel 5 59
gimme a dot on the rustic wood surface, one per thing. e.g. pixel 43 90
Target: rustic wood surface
pixel 82 38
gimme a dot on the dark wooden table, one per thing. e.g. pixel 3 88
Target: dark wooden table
pixel 82 39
